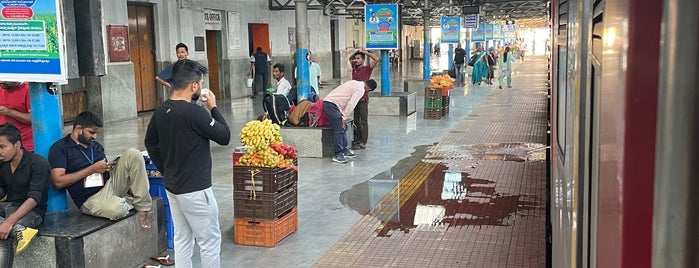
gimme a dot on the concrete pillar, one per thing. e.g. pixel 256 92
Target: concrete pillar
pixel 303 77
pixel 426 55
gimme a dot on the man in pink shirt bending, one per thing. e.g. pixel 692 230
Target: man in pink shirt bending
pixel 339 104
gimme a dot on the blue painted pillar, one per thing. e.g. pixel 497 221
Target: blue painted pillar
pixel 426 73
pixel 385 74
pixel 303 77
pixel 47 128
pixel 450 56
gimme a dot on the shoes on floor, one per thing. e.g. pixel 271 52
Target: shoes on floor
pixel 500 87
pixel 358 146
pixel 24 237
pixel 339 159
pixel 348 154
pixel 509 86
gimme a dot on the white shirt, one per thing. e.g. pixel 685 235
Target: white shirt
pixel 282 86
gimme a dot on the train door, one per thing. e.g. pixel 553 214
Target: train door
pixel 141 44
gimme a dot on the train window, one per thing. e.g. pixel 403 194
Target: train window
pixel 561 99
pixel 597 28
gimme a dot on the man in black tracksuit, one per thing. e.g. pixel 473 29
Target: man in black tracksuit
pixel 260 62
pixel 177 141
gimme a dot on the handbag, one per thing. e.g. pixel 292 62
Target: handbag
pixel 452 71
pixel 472 61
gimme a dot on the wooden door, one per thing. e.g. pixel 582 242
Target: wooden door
pixel 212 56
pixel 259 37
pixel 141 43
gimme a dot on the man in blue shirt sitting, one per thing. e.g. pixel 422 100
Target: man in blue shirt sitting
pixel 97 187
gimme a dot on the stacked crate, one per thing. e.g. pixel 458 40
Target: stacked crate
pixel 264 204
pixel 155 181
pixel 445 101
pixel 435 102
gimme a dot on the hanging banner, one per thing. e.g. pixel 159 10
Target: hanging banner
pixel 489 31
pixel 451 30
pixel 31 41
pixel 471 21
pixel 497 31
pixel 381 25
pixel 478 34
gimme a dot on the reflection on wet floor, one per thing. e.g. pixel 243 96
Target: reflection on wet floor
pixel 511 151
pixel 445 199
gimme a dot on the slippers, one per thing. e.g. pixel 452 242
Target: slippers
pixel 164 260
pixel 150 265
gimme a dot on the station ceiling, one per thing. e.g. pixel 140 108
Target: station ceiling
pixel 525 13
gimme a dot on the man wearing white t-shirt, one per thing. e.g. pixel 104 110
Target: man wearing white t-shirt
pixel 281 85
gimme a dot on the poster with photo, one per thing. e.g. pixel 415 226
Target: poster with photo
pixel 381 25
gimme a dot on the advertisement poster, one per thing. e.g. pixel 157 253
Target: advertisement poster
pixel 489 31
pixel 497 33
pixel 31 41
pixel 478 34
pixel 381 24
pixel 451 30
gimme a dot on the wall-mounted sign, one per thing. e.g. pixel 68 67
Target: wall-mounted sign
pixel 381 25
pixel 471 21
pixel 451 30
pixel 212 20
pixel 118 38
pixel 31 41
pixel 234 39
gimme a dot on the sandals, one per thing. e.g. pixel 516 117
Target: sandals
pixel 150 265
pixel 163 260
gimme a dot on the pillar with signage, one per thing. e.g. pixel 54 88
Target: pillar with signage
pixel 35 54
pixel 470 22
pixel 381 25
pixel 451 34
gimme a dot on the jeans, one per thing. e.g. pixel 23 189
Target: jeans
pixel 195 216
pixel 7 246
pixel 335 119
pixel 361 115
pixel 459 73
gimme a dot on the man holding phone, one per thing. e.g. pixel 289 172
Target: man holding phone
pixel 107 189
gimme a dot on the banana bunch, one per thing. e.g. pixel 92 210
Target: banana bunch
pixel 256 133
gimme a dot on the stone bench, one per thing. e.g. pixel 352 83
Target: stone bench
pixel 72 239
pixel 398 103
pixel 313 141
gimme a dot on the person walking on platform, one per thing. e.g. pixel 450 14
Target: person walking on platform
pixel 361 72
pixel 505 65
pixel 16 108
pixel 99 188
pixel 480 68
pixel 24 183
pixel 165 77
pixel 459 60
pixel 260 63
pixel 491 59
pixel 337 105
pixel 177 140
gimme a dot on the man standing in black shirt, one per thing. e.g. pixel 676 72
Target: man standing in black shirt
pixel 24 178
pixel 177 140
pixel 260 62
pixel 459 60
pixel 165 77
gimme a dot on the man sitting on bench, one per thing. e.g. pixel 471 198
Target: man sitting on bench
pixel 97 187
pixel 24 178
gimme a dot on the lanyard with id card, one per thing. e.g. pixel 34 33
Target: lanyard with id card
pixel 95 179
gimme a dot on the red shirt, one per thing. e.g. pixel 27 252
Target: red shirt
pixel 362 73
pixel 18 99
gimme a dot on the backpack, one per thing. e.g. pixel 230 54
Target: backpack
pixel 276 106
pixel 293 95
pixel 299 116
pixel 316 115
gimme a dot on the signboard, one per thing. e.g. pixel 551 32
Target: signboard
pixel 497 32
pixel 234 41
pixel 31 41
pixel 478 34
pixel 118 38
pixel 381 25
pixel 212 20
pixel 471 21
pixel 489 31
pixel 451 30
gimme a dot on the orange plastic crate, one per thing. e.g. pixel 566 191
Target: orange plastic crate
pixel 265 233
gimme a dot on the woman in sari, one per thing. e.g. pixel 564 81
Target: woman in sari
pixel 480 68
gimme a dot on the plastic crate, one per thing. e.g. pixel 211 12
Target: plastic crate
pixel 158 189
pixel 267 206
pixel 445 101
pixel 263 179
pixel 265 233
pixel 433 103
pixel 433 113
pixel 445 111
pixel 433 92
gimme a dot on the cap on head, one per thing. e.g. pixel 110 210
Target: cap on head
pixel 372 84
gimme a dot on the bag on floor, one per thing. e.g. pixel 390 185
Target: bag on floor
pixel 293 95
pixel 299 116
pixel 277 107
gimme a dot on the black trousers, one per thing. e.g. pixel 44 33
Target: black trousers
pixel 361 115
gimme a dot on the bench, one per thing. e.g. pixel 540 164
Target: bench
pixel 397 103
pixel 314 141
pixel 73 239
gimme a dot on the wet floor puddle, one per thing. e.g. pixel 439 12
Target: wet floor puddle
pixel 510 151
pixel 444 200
